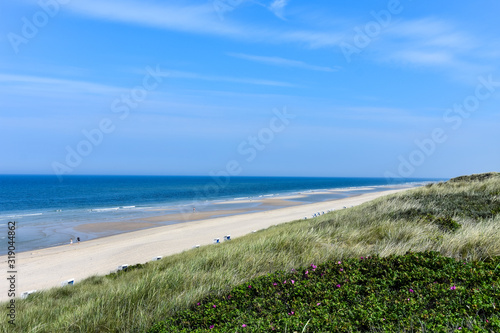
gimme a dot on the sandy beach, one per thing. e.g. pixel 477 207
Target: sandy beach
pixel 46 268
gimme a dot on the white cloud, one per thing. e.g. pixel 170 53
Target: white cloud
pixel 193 18
pixel 436 44
pixel 277 7
pixel 277 61
pixel 196 76
pixel 199 19
pixel 34 85
pixel 428 41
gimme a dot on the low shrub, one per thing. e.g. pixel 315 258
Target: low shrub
pixel 413 292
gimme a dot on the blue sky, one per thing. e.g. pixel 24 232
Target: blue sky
pixel 275 87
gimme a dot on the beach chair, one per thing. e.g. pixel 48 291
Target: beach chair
pixel 216 240
pixel 227 238
pixel 123 267
pixel 69 282
pixel 196 247
pixel 157 258
pixel 27 293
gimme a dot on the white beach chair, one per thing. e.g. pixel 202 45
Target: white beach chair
pixel 196 247
pixel 27 293
pixel 216 240
pixel 157 258
pixel 69 282
pixel 122 267
pixel 227 238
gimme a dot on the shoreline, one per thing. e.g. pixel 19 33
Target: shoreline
pixel 57 231
pixel 49 267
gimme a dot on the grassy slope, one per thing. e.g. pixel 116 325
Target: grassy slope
pixel 414 220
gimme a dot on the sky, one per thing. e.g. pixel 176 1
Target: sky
pixel 250 88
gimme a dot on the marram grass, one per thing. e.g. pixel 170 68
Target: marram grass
pixel 136 300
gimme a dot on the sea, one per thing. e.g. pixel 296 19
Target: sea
pixel 47 210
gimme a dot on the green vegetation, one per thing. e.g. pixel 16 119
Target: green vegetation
pixel 423 291
pixel 458 219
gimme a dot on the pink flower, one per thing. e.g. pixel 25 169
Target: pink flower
pixel 318 304
pixel 460 328
pixel 211 326
pixel 341 262
pixel 197 303
pixel 307 272
pixel 291 313
pixel 243 325
pixel 361 258
pixel 341 270
pixel 275 284
pixel 293 281
pixel 383 319
pixel 249 286
pixel 411 290
pixel 284 281
pixel 338 286
pixel 453 288
pixel 214 306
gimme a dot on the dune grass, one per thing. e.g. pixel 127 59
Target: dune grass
pixel 459 219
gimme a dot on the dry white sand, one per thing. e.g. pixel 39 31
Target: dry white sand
pixel 46 268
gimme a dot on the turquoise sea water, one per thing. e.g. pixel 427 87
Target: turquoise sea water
pixel 47 210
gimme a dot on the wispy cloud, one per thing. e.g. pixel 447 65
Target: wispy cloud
pixel 26 84
pixel 432 42
pixel 187 18
pixel 199 19
pixel 277 7
pixel 196 76
pixel 277 61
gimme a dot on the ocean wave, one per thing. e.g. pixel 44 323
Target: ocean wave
pixel 98 210
pixel 20 215
pixel 127 207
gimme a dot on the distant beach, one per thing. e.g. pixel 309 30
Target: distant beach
pixel 50 213
pixel 48 267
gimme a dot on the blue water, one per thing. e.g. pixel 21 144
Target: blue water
pixel 46 210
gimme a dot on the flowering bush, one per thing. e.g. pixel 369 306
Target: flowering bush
pixel 399 293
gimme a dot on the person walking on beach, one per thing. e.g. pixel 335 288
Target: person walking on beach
pixel 194 210
pixel 78 240
pixel 71 241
